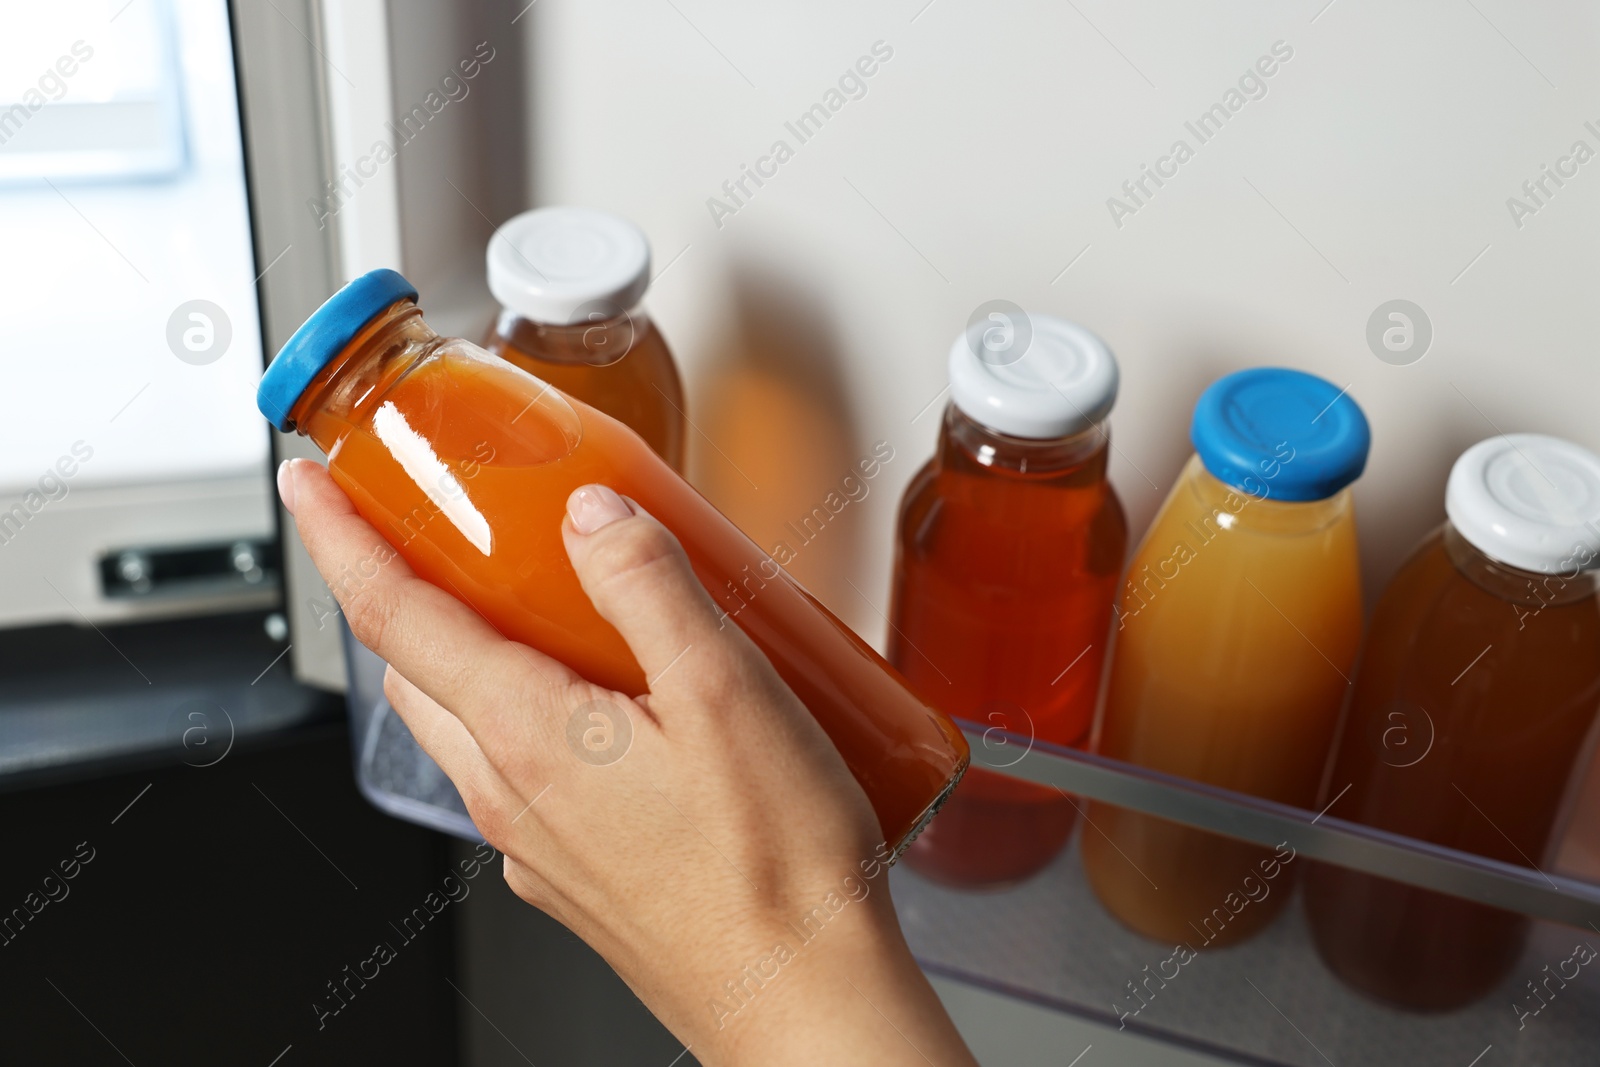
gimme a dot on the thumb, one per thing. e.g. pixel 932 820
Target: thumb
pixel 640 580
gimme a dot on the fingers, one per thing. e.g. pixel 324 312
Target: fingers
pixel 435 640
pixel 640 581
pixel 447 740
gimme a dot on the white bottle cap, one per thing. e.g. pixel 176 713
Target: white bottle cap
pixel 1529 501
pixel 1030 375
pixel 559 265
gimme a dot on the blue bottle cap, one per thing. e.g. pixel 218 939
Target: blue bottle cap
pixel 1280 434
pixel 323 336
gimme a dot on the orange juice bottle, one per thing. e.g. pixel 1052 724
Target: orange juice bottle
pixel 1471 721
pixel 464 463
pixel 1010 544
pixel 1236 635
pixel 569 281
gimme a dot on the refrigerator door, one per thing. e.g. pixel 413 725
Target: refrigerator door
pixel 392 770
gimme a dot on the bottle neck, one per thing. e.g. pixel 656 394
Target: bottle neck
pixel 598 342
pixel 965 444
pixel 1253 506
pixel 381 354
pixel 1513 584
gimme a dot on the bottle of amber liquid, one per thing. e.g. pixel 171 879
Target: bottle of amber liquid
pixel 1236 637
pixel 1475 710
pixel 569 281
pixel 1009 547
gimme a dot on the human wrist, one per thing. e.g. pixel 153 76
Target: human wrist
pixel 851 992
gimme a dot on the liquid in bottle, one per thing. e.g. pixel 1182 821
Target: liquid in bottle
pixel 464 463
pixel 1472 718
pixel 1236 635
pixel 569 281
pixel 1009 545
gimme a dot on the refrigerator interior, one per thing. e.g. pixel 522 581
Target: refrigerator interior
pixel 1006 153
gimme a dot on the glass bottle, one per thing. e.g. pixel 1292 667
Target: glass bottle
pixel 569 281
pixel 1236 637
pixel 1472 718
pixel 1009 546
pixel 464 463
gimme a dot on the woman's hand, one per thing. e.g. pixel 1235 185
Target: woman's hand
pixel 706 839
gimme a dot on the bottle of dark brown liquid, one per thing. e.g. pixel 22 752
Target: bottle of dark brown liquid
pixel 1475 707
pixel 569 281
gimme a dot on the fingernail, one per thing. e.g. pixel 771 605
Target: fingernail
pixel 595 506
pixel 286 485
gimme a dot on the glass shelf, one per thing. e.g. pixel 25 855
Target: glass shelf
pixel 1269 1000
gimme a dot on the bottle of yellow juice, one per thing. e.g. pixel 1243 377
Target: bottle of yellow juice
pixel 1236 635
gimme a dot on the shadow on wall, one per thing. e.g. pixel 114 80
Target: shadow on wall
pixel 466 168
pixel 778 450
pixel 1174 385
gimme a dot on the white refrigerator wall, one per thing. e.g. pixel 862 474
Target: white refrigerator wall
pixel 813 313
